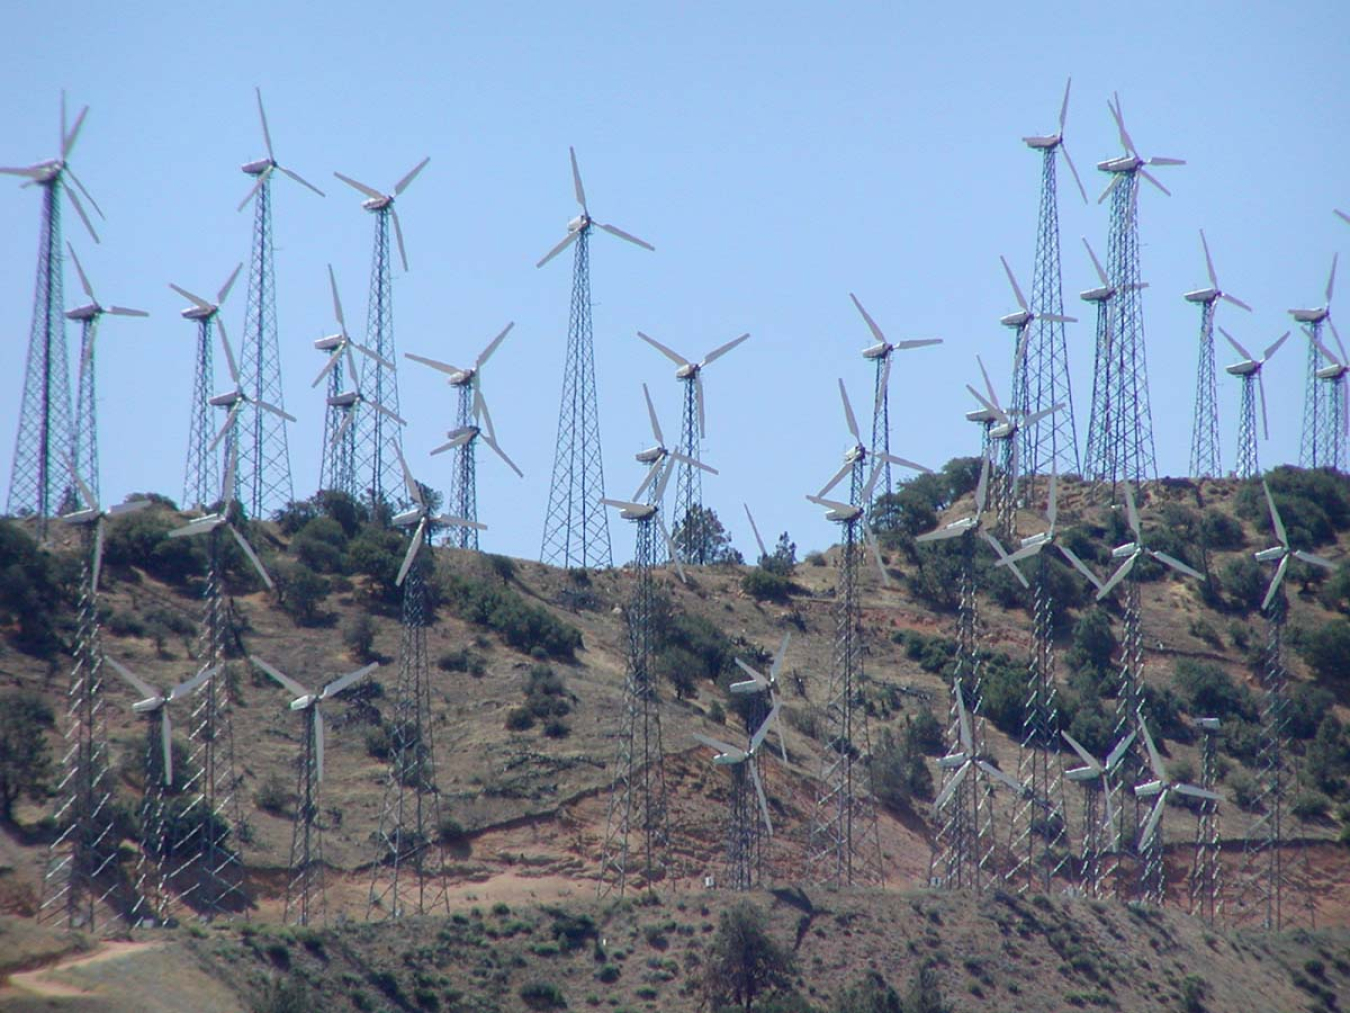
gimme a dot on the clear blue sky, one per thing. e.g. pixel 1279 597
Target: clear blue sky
pixel 778 156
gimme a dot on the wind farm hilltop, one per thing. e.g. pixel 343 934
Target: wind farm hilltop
pixel 1034 728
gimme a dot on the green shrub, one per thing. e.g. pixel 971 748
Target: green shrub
pixel 519 719
pixel 1310 805
pixel 359 637
pixel 899 773
pixel 1327 651
pixel 542 995
pixel 522 625
pixel 1221 531
pixel 462 660
pixel 320 545
pixel 766 585
pixel 25 758
pixel 1209 691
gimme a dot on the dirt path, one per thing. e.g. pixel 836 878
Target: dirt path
pixel 38 983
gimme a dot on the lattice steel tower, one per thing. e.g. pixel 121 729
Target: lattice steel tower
pixel 379 440
pixel 473 422
pixel 264 457
pixel 844 847
pixel 1045 373
pixel 1205 886
pixel 745 839
pixel 408 875
pixel 85 449
pixel 201 479
pixel 690 520
pixel 576 529
pixel 1206 461
pixel 1322 445
pixel 40 480
pixel 1264 858
pixel 637 801
pixel 1124 435
pixel 1249 372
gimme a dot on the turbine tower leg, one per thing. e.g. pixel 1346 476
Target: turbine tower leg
pixel 201 477
pixel 1205 891
pixel 40 479
pixel 1263 848
pixel 306 898
pixel 1129 699
pixel 264 455
pixel 576 529
pixel 1205 459
pixel 1052 444
pixel 409 870
pixel 1247 464
pixel 150 904
pixel 463 497
pixel 637 800
pixel 84 451
pixel 1102 426
pixel 379 441
pixel 1331 435
pixel 79 875
pixel 881 430
pixel 1312 451
pixel 691 522
pixel 845 841
pixel 337 470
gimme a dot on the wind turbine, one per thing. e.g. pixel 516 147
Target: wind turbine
pixel 767 685
pixel 472 422
pixel 1265 836
pixel 1249 371
pixel 306 862
pixel 152 895
pixel 744 843
pixel 93 518
pixel 1101 838
pixel 44 431
pixel 379 445
pixel 1126 449
pixel 264 457
pixel 763 551
pixel 1040 841
pixel 202 474
pixel 339 467
pixel 1160 789
pixel 419 517
pixel 689 519
pixel 1322 445
pixel 1047 357
pixel 576 533
pixel 85 443
pixel 1205 459
pixel 661 462
pixel 880 353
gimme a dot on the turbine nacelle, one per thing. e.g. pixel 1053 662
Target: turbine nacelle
pixel 1313 316
pixel 855 454
pixel 199 312
pixel 1123 164
pixel 409 517
pixel 378 203
pixel 652 455
pixel 1042 143
pixel 463 377
pixel 1128 549
pixel 1333 372
pixel 878 351
pixel 346 399
pixel 82 313
pixel 1100 294
pixel 1017 320
pixel 305 702
pixel 981 415
pixel 257 168
pixel 329 343
pixel 226 400
pixel 843 513
pixel 1245 368
pixel 1272 555
pixel 637 511
pixel 579 224
pixel 1203 295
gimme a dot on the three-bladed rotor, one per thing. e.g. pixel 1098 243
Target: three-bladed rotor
pixel 307 700
pixel 1281 553
pixel 376 202
pixel 693 371
pixel 53 170
pixel 1055 141
pixel 1131 551
pixel 264 167
pixel 582 222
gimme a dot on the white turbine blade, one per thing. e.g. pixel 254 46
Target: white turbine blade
pixel 32 172
pixel 1119 115
pixel 670 542
pixel 698 396
pixel 1025 552
pixel 1079 565
pixel 1052 508
pixel 337 303
pixel 1234 342
pixel 1275 583
pixel 79 210
pixel 301 180
pixel 722 747
pixel 982 486
pixel 224 292
pixel 1154 180
pixel 1331 278
pixel 614 230
pixel 480 411
pixel 942 534
pixel 398 234
pixel 778 657
pixel 1155 761
pixel 757 683
pixel 406 181
pixel 1073 169
pixel 832 504
pixel 1209 262
pixel 97 568
pixel 1154 818
pixel 722 350
pixel 963 719
pixel 1132 511
pixel 651 414
pixel 782 735
pixel 287 683
pixel 1235 301
pixel 1003 557
pixel 267 134
pixel 166 745
pixel 492 345
pixel 502 454
pixel 184 688
pixel 882 384
pixel 763 801
pixel 757 739
pixel 653 473
pixel 84 280
pixel 622 504
pixel 1275 347
pixel 269 407
pixel 1035 417
pixel 993 397
pixel 338 685
pixel 753 527
pixel 252 557
pixel 369 191
pixel 316 717
pixel 137 683
pixel 1343 216
pixel 128 508
pixel 230 363
pixel 126 311
pixel 999 775
pixel 1162 160
pixel 329 366
pixel 436 364
pixel 1064 106
pixel 848 412
pixel 459 522
pixel 369 353
pixel 387 413
pixel 1017 289
pixel 1121 748
pixel 227 480
pixel 252 191
pixel 196 300
pixel 871 324
pixel 946 793
pixel 1314 559
pixel 673 356
pixel 577 188
pixel 989 405
pixel 1265 420
pixel 871 540
pixel 902 462
pixel 1117 577
pixel 1275 520
pixel 1116 177
pixel 347 421
pixel 1194 792
pixel 565 242
pixel 1175 564
pixel 413 547
pixel 1096 263
pixel 220 433
pixel 414 490
pixel 693 462
pixel 1086 757
pixel 838 477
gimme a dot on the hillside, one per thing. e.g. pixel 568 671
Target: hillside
pixel 530 802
